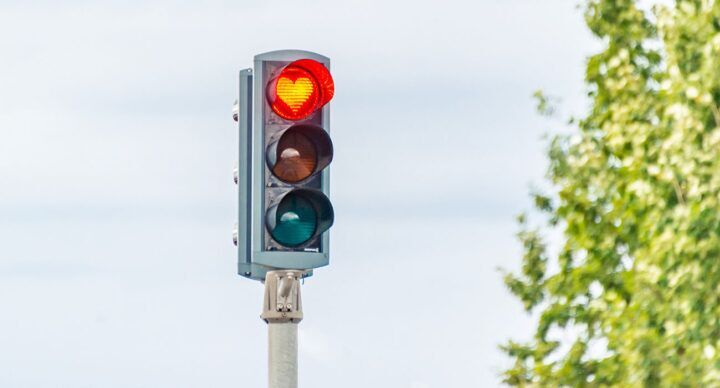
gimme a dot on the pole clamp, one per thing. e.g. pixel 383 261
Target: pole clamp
pixel 282 297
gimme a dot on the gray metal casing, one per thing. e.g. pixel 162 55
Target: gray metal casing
pixel 254 260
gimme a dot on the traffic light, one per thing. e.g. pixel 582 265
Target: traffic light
pixel 285 149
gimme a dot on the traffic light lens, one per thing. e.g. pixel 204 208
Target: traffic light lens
pixel 297 158
pixel 297 94
pixel 301 88
pixel 296 221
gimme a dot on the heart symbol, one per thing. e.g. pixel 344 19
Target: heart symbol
pixel 297 94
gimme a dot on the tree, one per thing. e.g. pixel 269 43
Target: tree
pixel 635 195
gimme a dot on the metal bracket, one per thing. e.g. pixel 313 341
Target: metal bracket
pixel 282 297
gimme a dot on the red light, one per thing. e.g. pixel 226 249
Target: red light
pixel 301 88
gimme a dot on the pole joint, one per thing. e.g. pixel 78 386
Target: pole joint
pixel 282 297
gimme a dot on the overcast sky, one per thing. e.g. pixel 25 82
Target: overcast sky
pixel 117 267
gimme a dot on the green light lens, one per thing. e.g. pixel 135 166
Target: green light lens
pixel 295 221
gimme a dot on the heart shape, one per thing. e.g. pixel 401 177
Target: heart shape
pixel 298 94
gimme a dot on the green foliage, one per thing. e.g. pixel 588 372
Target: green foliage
pixel 545 104
pixel 636 281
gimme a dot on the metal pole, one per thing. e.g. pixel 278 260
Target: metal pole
pixel 282 355
pixel 282 310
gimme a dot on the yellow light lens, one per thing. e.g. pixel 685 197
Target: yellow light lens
pixel 295 93
pixel 297 158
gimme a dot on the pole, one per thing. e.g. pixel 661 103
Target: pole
pixel 282 355
pixel 282 310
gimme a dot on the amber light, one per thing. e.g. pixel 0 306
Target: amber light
pixel 301 151
pixel 301 88
pixel 297 158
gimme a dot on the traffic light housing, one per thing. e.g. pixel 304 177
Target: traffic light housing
pixel 285 149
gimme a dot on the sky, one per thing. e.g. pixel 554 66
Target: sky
pixel 117 267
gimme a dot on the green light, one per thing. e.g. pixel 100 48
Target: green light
pixel 295 221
